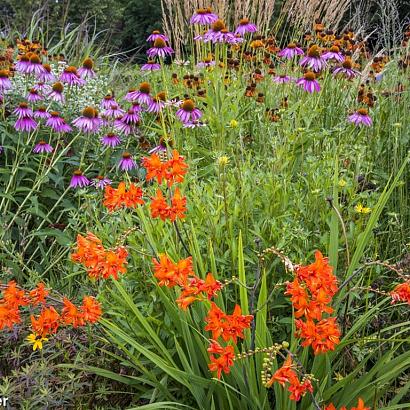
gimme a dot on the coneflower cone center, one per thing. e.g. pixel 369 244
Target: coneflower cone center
pixel 145 88
pixel 219 25
pixel 188 105
pixel 159 43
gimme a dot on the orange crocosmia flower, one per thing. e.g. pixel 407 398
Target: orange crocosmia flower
pixel 330 407
pixel 38 294
pixel 185 301
pixel 318 275
pixel 117 198
pixel 159 206
pixel 227 326
pixel 47 323
pixel 14 296
pixel 9 315
pixel 114 263
pixel 176 168
pixel 100 263
pixel 222 363
pixel 155 167
pixel 178 208
pixel 170 274
pixel 91 309
pixel 70 315
pixel 360 406
pixel 284 374
pixel 323 336
pixel 211 286
pixel 161 209
pixel 401 293
pixel 298 389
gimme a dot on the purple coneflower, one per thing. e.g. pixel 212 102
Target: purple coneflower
pixel 107 101
pixel 33 96
pixel 25 124
pixel 5 83
pixel 245 27
pixel 122 127
pixel 101 182
pixel 157 103
pixel 218 33
pixel 282 79
pixel 79 180
pixel 292 50
pixel 333 54
pixel 313 59
pixel 204 17
pixel 309 83
pixel 188 112
pixel 193 124
pixel 114 111
pixel 86 71
pixel 56 123
pixel 111 140
pixel 141 95
pixel 57 93
pixel 70 76
pixel 23 111
pixel 42 88
pixel 126 163
pixel 207 62
pixel 157 34
pixel 42 147
pixel 22 64
pixel 132 117
pixel 46 75
pixel 89 121
pixel 159 149
pixel 35 66
pixel 159 49
pixel 41 112
pixel 361 116
pixel 151 65
pixel 346 69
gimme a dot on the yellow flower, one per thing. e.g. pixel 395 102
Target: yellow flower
pixel 359 208
pixel 233 124
pixel 36 340
pixel 223 160
pixel 342 183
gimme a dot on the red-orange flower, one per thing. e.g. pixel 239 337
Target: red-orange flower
pixel 70 314
pixel 287 374
pixel 38 294
pixel 401 293
pixel 161 209
pixel 14 296
pixel 91 309
pixel 224 362
pixel 47 323
pixel 121 197
pixel 360 406
pixel 170 274
pixel 311 294
pixel 172 170
pixel 176 168
pixel 9 315
pixel 284 374
pixel 155 167
pixel 322 336
pixel 227 326
pixel 100 263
